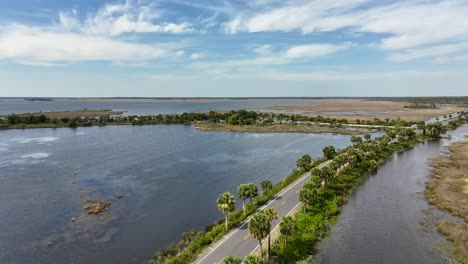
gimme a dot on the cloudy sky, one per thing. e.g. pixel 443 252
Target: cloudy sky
pixel 233 48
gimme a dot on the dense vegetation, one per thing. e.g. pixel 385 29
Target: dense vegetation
pixel 322 197
pixel 329 187
pixel 421 106
pixel 241 117
pixel 460 100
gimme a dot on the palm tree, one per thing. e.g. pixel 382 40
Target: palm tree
pixel 232 260
pixel 243 193
pixel 266 185
pixel 287 227
pixel 252 191
pixel 367 136
pixel 328 174
pixel 316 172
pixel 307 197
pixel 253 259
pixel 259 226
pixel 272 216
pixel 226 204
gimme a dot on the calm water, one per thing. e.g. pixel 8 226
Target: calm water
pixel 8 106
pixel 382 223
pixel 171 176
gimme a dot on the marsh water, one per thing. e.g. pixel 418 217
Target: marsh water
pixel 168 178
pixel 383 221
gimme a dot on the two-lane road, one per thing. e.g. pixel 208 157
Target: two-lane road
pixel 238 242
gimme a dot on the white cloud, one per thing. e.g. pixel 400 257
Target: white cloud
pixel 408 23
pixel 35 46
pixel 196 56
pixel 313 50
pixel 117 19
pixel 355 76
pixel 95 38
pixel 437 51
pixel 269 58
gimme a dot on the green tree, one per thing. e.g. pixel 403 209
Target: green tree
pixel 252 191
pixel 316 172
pixel 328 175
pixel 356 140
pixel 226 204
pixel 232 260
pixel 259 226
pixel 243 191
pixel 303 162
pixel 266 185
pixel 315 181
pixel 272 215
pixel 253 259
pixel 307 197
pixel 287 227
pixel 367 136
pixel 329 151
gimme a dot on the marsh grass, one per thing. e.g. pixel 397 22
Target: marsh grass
pixel 278 128
pixel 448 190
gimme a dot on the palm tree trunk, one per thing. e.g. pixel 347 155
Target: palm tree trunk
pixel 226 220
pixel 261 248
pixel 269 252
pixel 243 205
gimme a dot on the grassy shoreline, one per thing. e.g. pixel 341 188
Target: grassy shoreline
pixel 448 190
pixel 277 128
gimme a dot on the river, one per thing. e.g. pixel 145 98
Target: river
pixel 169 175
pixel 383 220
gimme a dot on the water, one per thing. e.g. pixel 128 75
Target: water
pixel 382 223
pixel 8 106
pixel 171 176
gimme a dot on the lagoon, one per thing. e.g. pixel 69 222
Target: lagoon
pixel 169 177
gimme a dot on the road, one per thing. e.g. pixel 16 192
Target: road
pixel 238 242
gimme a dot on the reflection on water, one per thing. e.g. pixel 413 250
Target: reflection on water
pixel 382 221
pixel 169 178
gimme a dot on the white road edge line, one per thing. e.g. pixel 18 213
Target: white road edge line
pixel 298 181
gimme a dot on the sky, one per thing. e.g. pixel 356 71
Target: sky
pixel 233 48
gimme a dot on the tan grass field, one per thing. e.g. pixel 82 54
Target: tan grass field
pixel 376 109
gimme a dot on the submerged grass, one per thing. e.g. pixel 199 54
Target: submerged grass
pixel 448 190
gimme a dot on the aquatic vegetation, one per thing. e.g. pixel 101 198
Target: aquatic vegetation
pixel 448 191
pixel 96 208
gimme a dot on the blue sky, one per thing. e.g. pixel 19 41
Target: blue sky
pixel 187 48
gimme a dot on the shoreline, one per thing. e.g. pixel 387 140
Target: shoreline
pixel 278 128
pixel 447 190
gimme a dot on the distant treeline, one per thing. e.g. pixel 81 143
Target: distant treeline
pixel 459 100
pixel 241 117
pixel 421 106
pixel 38 99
